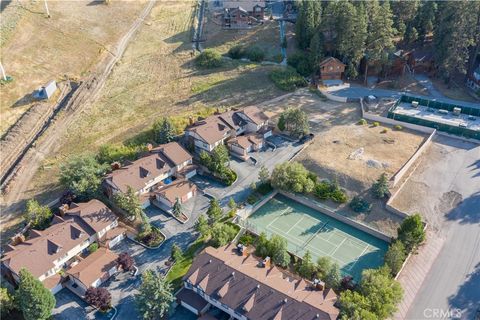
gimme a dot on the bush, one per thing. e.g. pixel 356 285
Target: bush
pixel 93 247
pixel 292 177
pixel 411 232
pixel 384 131
pixel 236 52
pixel 151 238
pixel 255 54
pixel 395 256
pixel 330 190
pixel 264 188
pixel 362 122
pixel 111 152
pixel 380 187
pixel 246 240
pixel 228 176
pixel 99 297
pixel 301 63
pixel 287 79
pixel 359 204
pixel 209 59
pixel 252 199
pixel 125 261
pixel 222 234
pixel 397 127
pixel 376 124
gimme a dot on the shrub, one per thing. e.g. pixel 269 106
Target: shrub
pixel 209 59
pixel 222 234
pixel 99 297
pixel 395 256
pixel 362 122
pixel 330 190
pixel 112 152
pixel 93 247
pixel 246 239
pixel 301 63
pixel 397 127
pixel 151 238
pixel 236 52
pixel 292 177
pixel 255 54
pixel 384 131
pixel 287 79
pixel 380 187
pixel 411 232
pixel 252 199
pixel 376 124
pixel 264 188
pixel 37 215
pixel 228 176
pixel 359 204
pixel 125 261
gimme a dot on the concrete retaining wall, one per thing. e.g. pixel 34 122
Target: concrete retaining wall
pixel 332 97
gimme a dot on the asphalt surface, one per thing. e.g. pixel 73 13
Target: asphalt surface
pixel 356 91
pixel 451 289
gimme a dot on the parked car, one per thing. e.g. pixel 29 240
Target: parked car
pixel 306 138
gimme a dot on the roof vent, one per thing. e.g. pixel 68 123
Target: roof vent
pixel 233 273
pixel 318 284
pixel 210 261
pixel 285 300
pixel 318 316
pixel 258 286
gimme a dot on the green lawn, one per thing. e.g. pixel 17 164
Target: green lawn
pixel 181 267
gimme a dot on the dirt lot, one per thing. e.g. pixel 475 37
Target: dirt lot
pixel 337 137
pixel 36 49
pixel 155 77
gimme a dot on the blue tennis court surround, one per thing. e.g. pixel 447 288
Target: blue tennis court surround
pixel 307 229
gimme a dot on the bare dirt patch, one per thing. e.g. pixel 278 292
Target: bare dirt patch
pixel 335 152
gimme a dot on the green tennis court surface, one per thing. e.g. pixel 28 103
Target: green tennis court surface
pixel 307 229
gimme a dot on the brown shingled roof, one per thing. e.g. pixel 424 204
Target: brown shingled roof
pixel 38 253
pixel 176 189
pixel 139 173
pixel 211 130
pixel 255 114
pixel 258 293
pixel 94 266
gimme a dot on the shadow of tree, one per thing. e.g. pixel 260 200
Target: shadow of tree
pixel 468 295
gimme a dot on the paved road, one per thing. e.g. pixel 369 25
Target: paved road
pixel 356 91
pixel 447 193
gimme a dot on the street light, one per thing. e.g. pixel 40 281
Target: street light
pixel 46 8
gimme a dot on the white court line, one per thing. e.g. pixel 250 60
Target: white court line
pixel 294 225
pixel 345 239
pixel 358 257
pixel 279 216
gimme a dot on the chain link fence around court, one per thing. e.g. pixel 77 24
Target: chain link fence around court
pixel 435 106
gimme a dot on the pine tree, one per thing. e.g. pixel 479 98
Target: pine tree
pixel 202 226
pixel 163 130
pixel 380 32
pixel 454 36
pixel 214 211
pixel 425 18
pixel 177 209
pixel 34 300
pixel 154 296
pixel 263 175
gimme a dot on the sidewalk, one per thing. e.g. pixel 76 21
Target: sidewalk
pixel 415 272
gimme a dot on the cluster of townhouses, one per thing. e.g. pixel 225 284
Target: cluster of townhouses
pixel 58 256
pixel 246 287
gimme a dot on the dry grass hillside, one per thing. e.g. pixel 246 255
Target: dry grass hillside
pixel 36 49
pixel 156 77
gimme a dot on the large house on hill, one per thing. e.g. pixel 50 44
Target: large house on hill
pixel 59 247
pixel 155 176
pixel 209 133
pixel 246 287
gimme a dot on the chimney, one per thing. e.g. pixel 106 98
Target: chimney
pixel 265 263
pixel 63 209
pixel 149 147
pixel 17 239
pixel 191 121
pixel 318 284
pixel 115 165
pixel 242 250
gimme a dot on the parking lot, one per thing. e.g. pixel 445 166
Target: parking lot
pixel 248 172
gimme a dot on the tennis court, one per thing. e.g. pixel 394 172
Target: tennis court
pixel 308 229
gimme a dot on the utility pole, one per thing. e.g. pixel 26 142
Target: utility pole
pixel 3 72
pixel 46 8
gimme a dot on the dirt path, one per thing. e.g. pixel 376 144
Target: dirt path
pixel 47 143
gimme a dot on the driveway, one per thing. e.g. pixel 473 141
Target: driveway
pixel 247 172
pixel 69 306
pixel 445 189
